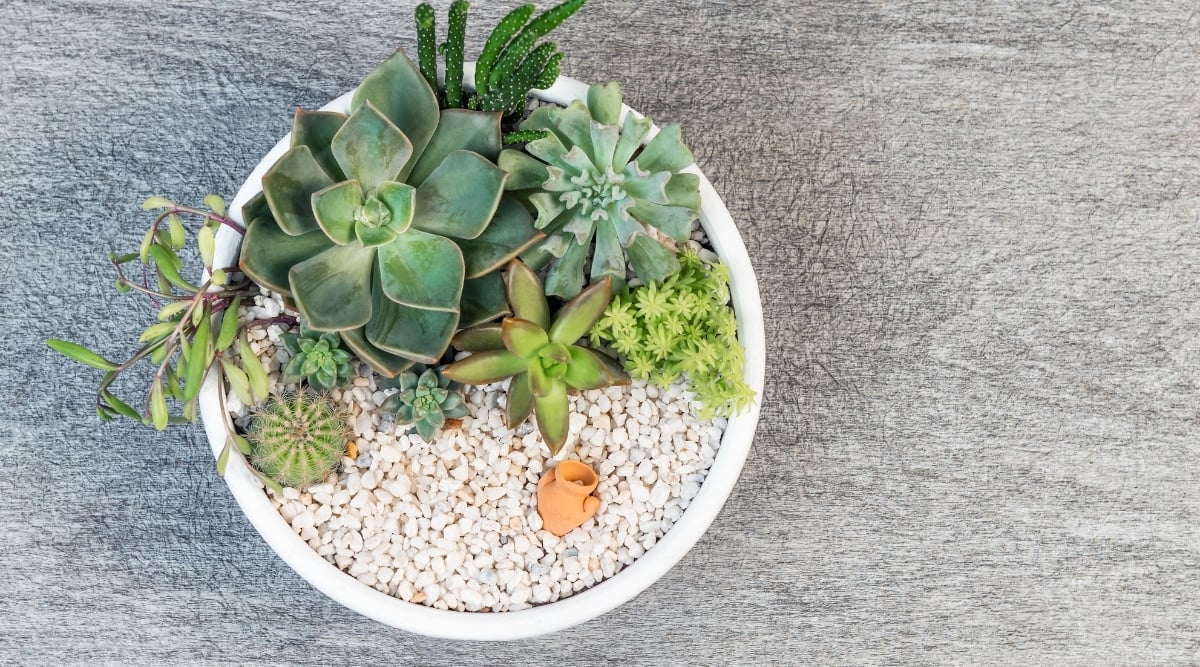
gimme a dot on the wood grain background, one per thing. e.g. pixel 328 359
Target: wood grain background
pixel 975 227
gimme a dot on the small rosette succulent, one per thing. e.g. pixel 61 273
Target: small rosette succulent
pixel 383 226
pixel 595 186
pixel 540 355
pixel 317 358
pixel 427 401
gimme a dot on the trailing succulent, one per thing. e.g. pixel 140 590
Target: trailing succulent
pixel 683 325
pixel 539 354
pixel 385 226
pixel 511 64
pixel 197 328
pixel 317 358
pixel 594 186
pixel 298 438
pixel 427 401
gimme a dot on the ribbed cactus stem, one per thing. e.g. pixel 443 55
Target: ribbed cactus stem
pixel 521 45
pixel 524 136
pixel 427 43
pixel 456 35
pixel 501 34
pixel 510 96
pixel 549 73
pixel 298 438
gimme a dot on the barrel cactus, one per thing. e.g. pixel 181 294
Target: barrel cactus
pixel 383 225
pixel 595 186
pixel 298 438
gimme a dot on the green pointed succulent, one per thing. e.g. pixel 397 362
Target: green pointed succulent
pixel 595 186
pixel 540 355
pixel 317 358
pixel 427 401
pixel 383 226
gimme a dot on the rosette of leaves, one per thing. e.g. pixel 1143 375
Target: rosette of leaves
pixel 540 354
pixel 596 187
pixel 426 400
pixel 317 358
pixel 682 326
pixel 384 225
pixel 512 61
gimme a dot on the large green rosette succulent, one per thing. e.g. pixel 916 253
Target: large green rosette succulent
pixel 386 225
pixel 595 186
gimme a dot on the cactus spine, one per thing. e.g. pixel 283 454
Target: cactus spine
pixel 298 438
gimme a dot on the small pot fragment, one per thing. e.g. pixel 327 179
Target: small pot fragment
pixel 564 497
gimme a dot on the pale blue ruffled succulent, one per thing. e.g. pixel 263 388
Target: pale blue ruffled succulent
pixel 596 187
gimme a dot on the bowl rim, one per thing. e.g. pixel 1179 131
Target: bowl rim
pixel 579 607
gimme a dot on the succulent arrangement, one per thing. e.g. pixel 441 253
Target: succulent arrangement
pixel 437 233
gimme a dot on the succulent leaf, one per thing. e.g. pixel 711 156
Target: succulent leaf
pixel 268 253
pixel 316 130
pixel 485 367
pixel 460 196
pixel 666 152
pixel 526 296
pixel 335 208
pixel 399 91
pixel 510 232
pixel 415 333
pixel 520 400
pixel 499 37
pixel 581 313
pixel 553 416
pixel 288 186
pixel 585 371
pixel 522 337
pixel 483 338
pixel 482 300
pixel 604 103
pixel 381 361
pixel 459 129
pixel 370 148
pixel 328 288
pixel 422 270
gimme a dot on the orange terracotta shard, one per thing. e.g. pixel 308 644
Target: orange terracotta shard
pixel 565 497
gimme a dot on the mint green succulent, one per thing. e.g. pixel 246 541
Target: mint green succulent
pixel 595 186
pixel 317 358
pixel 427 401
pixel 540 355
pixel 383 226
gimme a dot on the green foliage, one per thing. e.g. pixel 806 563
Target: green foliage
pixel 298 438
pixel 196 328
pixel 598 190
pixel 427 401
pixel 383 225
pixel 512 61
pixel 539 354
pixel 317 358
pixel 682 326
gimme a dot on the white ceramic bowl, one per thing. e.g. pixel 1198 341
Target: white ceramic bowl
pixel 582 606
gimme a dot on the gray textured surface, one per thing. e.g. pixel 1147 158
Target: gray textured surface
pixel 976 229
